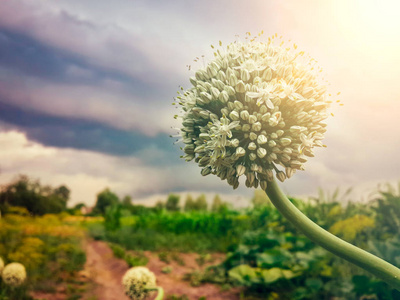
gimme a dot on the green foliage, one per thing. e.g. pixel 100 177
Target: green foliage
pixel 388 249
pixel 350 228
pixel 137 259
pixel 36 198
pixel 260 199
pixel 166 270
pixel 105 198
pixel 175 257
pixel 266 254
pixel 131 258
pixel 373 289
pixel 201 203
pixel 47 246
pixel 163 256
pixel 118 251
pixel 387 208
pixel 112 217
pixel 172 203
pixel 189 203
pixel 219 206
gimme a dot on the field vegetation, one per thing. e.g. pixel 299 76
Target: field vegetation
pixel 264 253
pixel 260 255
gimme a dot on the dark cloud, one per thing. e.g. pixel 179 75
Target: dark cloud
pixel 88 135
pixel 27 56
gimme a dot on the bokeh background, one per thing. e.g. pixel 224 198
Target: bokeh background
pixel 86 89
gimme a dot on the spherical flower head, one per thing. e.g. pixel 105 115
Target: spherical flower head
pixel 136 280
pixel 255 110
pixel 14 274
pixel 1 265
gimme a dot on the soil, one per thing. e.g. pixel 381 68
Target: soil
pixel 103 273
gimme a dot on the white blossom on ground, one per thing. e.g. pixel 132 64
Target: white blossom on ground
pixel 14 274
pixel 136 280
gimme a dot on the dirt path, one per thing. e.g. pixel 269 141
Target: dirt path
pixel 105 271
pixel 174 284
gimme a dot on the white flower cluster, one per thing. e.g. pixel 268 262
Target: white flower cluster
pixel 254 107
pixel 136 280
pixel 14 274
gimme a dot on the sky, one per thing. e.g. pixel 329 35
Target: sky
pixel 86 89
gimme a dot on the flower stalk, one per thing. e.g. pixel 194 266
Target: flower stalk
pixel 380 268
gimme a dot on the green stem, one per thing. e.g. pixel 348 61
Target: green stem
pixel 160 295
pixel 380 268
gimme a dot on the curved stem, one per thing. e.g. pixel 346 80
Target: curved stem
pixel 380 268
pixel 160 295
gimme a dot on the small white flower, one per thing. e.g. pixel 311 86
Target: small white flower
pixel 136 280
pixel 251 65
pixel 307 141
pixel 264 96
pixel 288 91
pixel 14 274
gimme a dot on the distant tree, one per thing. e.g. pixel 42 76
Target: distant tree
pixel 189 203
pixel 104 199
pixel 79 205
pixel 160 205
pixel 218 205
pixel 63 192
pixel 36 198
pixel 127 200
pixel 201 203
pixel 172 203
pixel 260 199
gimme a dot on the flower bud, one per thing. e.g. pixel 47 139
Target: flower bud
pixel 245 75
pixel 235 143
pixel 289 172
pixel 285 141
pixel 256 126
pixel 230 90
pixel 246 127
pixel 240 169
pixel 206 171
pixel 238 105
pixel 240 88
pixel 252 146
pixel 262 139
pixel 234 115
pixel 193 81
pixel 252 119
pixel 244 114
pixel 263 185
pixel 261 152
pixel 240 152
pixel 215 93
pixel 281 176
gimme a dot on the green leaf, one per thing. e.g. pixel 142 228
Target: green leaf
pixel 314 283
pixel 276 274
pixel 273 258
pixel 272 275
pixel 243 273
